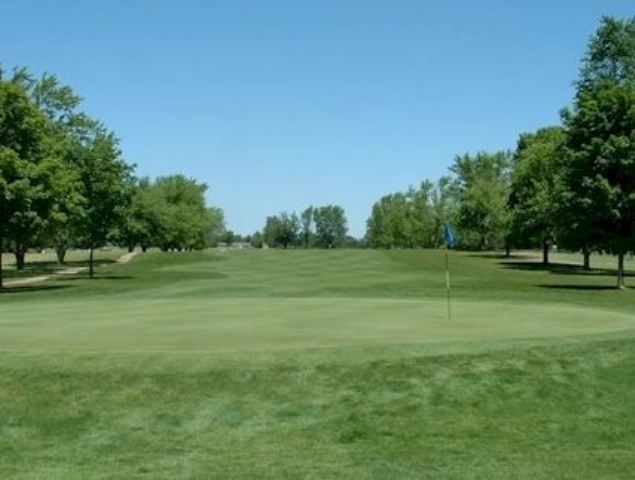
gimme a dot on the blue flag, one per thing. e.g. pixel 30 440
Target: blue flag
pixel 448 235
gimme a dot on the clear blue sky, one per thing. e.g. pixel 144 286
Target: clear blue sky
pixel 280 104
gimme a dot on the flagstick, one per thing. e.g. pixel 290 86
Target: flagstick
pixel 447 281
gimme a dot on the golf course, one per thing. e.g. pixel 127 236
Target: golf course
pixel 320 364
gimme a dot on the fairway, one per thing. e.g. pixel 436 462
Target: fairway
pixel 319 364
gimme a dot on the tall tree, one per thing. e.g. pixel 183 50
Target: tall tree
pixel 65 123
pixel 306 218
pixel 481 185
pixel 104 179
pixel 599 178
pixel 330 226
pixel 533 198
pixel 29 172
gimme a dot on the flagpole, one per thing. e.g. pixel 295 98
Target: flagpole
pixel 447 280
pixel 450 242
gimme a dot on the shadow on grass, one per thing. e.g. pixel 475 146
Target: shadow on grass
pixel 30 289
pixel 562 269
pixel 579 287
pixel 501 256
pixel 49 268
pixel 84 276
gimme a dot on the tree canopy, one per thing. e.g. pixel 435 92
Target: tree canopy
pixel 64 182
pixel 599 169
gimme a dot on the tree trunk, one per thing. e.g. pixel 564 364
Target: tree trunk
pixel 60 251
pixel 545 252
pixel 587 258
pixel 91 268
pixel 19 252
pixel 508 251
pixel 144 248
pixel 131 248
pixel 1 271
pixel 620 271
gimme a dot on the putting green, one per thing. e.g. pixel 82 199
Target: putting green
pixel 236 324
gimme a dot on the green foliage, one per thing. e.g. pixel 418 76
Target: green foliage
pixel 610 54
pixel 140 223
pixel 65 128
pixel 103 178
pixel 32 177
pixel 599 174
pixel 64 182
pixel 184 221
pixel 481 185
pixel 215 225
pixel 533 197
pixel 256 240
pixel 412 219
pixel 281 230
pixel 330 226
pixel 306 217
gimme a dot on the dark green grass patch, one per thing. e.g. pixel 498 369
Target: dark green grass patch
pixel 541 412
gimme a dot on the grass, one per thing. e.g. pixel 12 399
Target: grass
pixel 334 364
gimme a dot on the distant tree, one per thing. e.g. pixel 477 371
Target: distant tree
pixel 387 225
pixel 228 238
pixel 104 180
pixel 256 240
pixel 421 231
pixel 533 197
pixel 352 242
pixel 412 219
pixel 481 185
pixel 140 222
pixel 598 176
pixel 306 218
pixel 215 225
pixel 282 230
pixel 185 222
pixel 330 226
pixel 443 208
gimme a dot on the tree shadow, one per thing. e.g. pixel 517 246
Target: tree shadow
pixel 30 289
pixel 49 268
pixel 562 269
pixel 84 276
pixel 501 256
pixel 579 287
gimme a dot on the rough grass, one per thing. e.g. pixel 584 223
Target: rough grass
pixel 319 365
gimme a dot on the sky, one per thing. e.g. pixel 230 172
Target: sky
pixel 277 105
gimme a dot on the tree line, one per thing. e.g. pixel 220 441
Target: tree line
pixel 64 183
pixel 314 227
pixel 571 184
